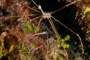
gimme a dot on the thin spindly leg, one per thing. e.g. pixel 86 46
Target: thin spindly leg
pixel 24 15
pixel 38 24
pixel 71 31
pixel 35 18
pixel 27 6
pixel 57 35
pixel 53 27
pixel 64 25
pixel 20 16
pixel 65 6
